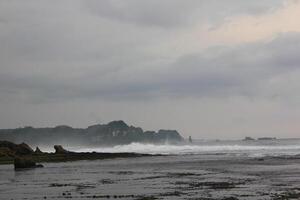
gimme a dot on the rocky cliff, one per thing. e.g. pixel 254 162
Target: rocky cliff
pixel 113 133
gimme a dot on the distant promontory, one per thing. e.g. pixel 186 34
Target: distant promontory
pixel 113 133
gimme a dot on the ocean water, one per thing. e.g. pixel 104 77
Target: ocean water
pixel 210 170
pixel 256 148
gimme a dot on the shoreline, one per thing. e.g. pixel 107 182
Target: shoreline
pixel 23 156
pixel 160 177
pixel 72 156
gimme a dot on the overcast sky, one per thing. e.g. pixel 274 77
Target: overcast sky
pixel 208 68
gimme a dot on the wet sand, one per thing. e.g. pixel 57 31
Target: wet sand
pixel 209 177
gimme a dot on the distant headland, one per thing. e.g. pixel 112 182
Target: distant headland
pixel 113 133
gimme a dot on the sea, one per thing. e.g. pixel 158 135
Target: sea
pixel 250 148
pixel 207 170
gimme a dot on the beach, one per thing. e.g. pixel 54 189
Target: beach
pixel 210 175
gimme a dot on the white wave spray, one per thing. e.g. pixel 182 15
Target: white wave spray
pixel 167 149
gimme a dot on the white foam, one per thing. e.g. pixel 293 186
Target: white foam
pixel 197 149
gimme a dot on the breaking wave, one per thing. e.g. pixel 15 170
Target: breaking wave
pixel 167 149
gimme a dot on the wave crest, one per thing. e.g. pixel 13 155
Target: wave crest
pixel 168 149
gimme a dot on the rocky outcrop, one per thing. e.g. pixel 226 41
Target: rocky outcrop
pixel 60 150
pixel 248 138
pixel 29 160
pixel 11 149
pixel 22 163
pixel 20 153
pixel 38 151
pixel 169 135
pixel 9 145
pixel 118 125
pixel 24 149
pixel 5 152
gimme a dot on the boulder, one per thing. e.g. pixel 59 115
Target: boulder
pixel 6 152
pixel 9 145
pixel 17 149
pixel 60 150
pixel 22 163
pixel 24 149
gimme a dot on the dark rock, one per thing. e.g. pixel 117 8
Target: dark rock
pixel 5 152
pixel 60 150
pixel 248 139
pixel 24 149
pixel 16 149
pixel 22 163
pixel 38 151
pixel 118 125
pixel 8 145
pixel 190 139
pixel 39 165
pixel 169 135
pixel 113 133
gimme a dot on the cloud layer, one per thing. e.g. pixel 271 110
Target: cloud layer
pixel 115 54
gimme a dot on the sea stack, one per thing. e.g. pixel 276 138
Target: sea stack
pixel 60 150
pixel 190 139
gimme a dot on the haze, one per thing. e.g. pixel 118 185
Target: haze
pixel 207 68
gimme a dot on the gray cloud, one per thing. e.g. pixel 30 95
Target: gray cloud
pixel 65 61
pixel 233 71
pixel 173 13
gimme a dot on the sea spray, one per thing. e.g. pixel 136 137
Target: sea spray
pixel 168 149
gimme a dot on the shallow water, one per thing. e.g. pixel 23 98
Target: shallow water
pixel 211 174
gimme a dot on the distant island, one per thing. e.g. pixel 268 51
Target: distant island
pixel 113 133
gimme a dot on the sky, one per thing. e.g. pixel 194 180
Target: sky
pixel 207 68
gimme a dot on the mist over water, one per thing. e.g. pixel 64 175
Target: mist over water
pixel 248 148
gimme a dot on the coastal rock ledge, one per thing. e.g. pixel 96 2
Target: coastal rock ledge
pixel 22 156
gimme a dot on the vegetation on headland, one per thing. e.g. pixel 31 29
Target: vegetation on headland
pixel 113 133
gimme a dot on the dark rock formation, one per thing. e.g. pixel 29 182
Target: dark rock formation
pixel 113 133
pixel 5 152
pixel 190 139
pixel 8 145
pixel 60 150
pixel 169 135
pixel 38 151
pixel 248 138
pixel 22 163
pixel 24 149
pixel 15 149
pixel 8 155
pixel 118 125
